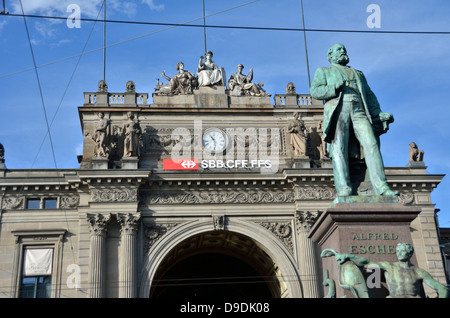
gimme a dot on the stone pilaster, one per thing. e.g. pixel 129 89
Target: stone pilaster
pixel 129 225
pixel 307 254
pixel 98 227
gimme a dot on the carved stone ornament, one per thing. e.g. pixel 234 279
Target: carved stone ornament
pixel 281 230
pixel 129 223
pixel 13 202
pixel 219 222
pixel 216 197
pixel 290 89
pixel 314 193
pixel 153 232
pixel 406 197
pixel 161 141
pixel 414 153
pixel 304 220
pixel 114 195
pixel 69 202
pixel 130 87
pixel 98 224
pixel 2 153
pixel 102 87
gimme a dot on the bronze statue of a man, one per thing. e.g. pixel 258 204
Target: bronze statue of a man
pixel 351 107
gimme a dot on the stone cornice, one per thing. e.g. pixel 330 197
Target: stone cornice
pixel 32 181
pixel 109 177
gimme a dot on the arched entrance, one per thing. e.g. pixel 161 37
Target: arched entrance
pixel 217 264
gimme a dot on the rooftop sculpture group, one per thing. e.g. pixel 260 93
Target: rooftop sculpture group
pixel 209 74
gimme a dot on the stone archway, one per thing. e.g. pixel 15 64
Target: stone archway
pixel 217 264
pixel 281 273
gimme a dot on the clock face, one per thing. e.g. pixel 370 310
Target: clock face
pixel 214 140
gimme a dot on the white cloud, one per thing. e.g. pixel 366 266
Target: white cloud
pixel 151 4
pixel 88 8
pixel 2 24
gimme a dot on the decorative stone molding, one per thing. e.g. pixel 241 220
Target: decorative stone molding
pixel 69 202
pixel 11 202
pixel 114 194
pixel 281 230
pixel 98 224
pixel 314 193
pixel 304 220
pixel 129 223
pixel 153 232
pixel 406 197
pixel 216 197
pixel 157 141
pixel 219 222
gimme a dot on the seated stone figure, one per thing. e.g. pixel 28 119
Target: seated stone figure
pixel 209 73
pixel 240 84
pixel 182 83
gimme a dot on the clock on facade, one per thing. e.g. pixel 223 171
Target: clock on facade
pixel 214 140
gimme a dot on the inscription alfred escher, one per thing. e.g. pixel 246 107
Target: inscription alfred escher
pixel 373 243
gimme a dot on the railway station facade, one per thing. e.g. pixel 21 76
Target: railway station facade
pixel 207 191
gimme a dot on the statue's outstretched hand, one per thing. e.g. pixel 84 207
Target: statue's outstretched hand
pixel 386 117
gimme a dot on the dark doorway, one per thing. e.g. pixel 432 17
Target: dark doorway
pixel 211 275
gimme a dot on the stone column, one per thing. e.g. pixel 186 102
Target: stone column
pixel 98 227
pixel 129 224
pixel 307 254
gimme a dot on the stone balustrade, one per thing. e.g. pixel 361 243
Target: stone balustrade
pixel 297 100
pixel 115 99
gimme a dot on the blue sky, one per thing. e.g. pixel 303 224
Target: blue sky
pixel 409 73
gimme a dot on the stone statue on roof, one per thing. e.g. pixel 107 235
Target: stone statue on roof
pixel 241 84
pixel 208 73
pixel 182 83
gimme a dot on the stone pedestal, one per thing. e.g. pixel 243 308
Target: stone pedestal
pixel 130 163
pixel 203 97
pixel 99 163
pixel 416 164
pixel 326 163
pixel 102 99
pixel 2 169
pixel 370 227
pixel 211 97
pixel 250 102
pixel 300 163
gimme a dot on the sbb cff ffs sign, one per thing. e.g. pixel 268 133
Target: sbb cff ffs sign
pixel 180 164
pixel 192 164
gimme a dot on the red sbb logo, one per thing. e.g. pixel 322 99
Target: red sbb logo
pixel 180 164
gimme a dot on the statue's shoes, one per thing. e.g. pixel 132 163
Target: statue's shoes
pixel 345 192
pixel 390 192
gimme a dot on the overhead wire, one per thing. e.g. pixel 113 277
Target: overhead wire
pixel 39 86
pixel 189 24
pixel 170 26
pixel 69 82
